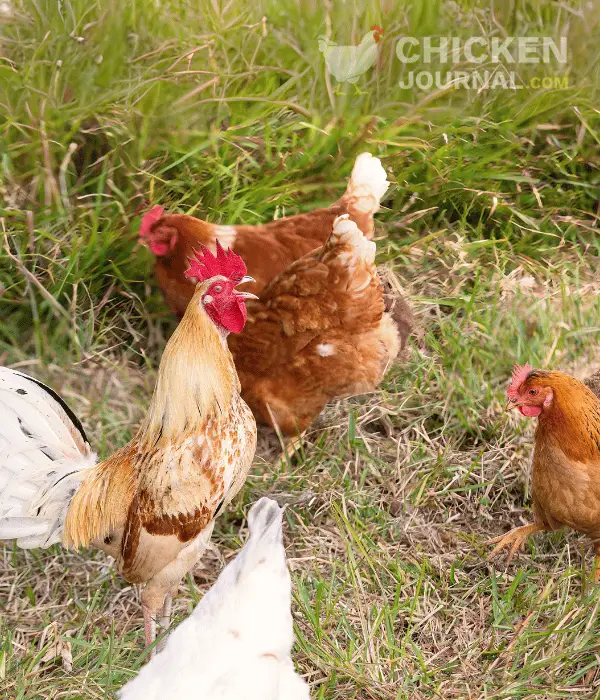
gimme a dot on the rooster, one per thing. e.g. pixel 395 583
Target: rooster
pixel 237 642
pixel 267 249
pixel 152 504
pixel 566 458
pixel 348 63
pixel 319 331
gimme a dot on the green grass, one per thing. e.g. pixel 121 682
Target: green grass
pixel 491 227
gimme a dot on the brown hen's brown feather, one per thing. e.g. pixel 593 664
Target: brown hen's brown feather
pixel 318 332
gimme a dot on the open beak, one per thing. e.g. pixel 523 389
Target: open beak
pixel 510 405
pixel 245 295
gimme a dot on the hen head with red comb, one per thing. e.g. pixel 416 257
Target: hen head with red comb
pixel 528 392
pixel 160 237
pixel 224 305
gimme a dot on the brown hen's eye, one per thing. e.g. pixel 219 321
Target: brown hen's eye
pixel 532 392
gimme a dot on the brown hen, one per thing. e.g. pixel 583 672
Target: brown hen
pixel 565 474
pixel 318 332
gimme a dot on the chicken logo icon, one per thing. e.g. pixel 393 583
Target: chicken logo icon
pixel 348 63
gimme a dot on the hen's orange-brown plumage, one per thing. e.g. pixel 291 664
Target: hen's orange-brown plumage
pixel 318 331
pixel 566 460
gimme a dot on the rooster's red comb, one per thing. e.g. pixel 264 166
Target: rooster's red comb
pixel 149 219
pixel 519 375
pixel 226 263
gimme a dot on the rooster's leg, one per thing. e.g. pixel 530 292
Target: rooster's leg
pixel 165 620
pixel 149 627
pixel 515 538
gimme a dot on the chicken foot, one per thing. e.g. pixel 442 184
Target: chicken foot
pixel 515 538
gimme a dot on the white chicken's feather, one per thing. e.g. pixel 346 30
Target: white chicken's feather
pixel 237 642
pixel 43 451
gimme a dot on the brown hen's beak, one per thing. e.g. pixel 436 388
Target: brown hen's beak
pixel 510 405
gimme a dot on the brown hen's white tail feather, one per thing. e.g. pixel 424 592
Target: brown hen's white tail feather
pixel 346 232
pixel 368 184
pixel 43 456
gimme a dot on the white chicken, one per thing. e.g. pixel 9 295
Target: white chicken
pixel 236 644
pixel 348 63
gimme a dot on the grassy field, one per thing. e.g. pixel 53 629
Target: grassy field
pixel 491 227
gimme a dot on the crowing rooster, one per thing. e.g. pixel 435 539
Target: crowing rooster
pixel 318 332
pixel 152 504
pixel 348 63
pixel 267 249
pixel 565 477
pixel 236 644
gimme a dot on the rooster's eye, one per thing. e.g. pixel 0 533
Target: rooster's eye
pixel 218 288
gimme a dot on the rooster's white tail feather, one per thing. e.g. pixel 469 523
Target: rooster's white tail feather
pixel 43 449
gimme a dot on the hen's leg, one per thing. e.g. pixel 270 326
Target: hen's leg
pixel 292 447
pixel 515 538
pixel 597 562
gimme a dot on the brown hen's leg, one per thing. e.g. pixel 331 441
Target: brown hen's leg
pixel 515 538
pixel 292 447
pixel 597 562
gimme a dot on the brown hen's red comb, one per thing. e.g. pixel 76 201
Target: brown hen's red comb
pixel 519 375
pixel 149 219
pixel 225 263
